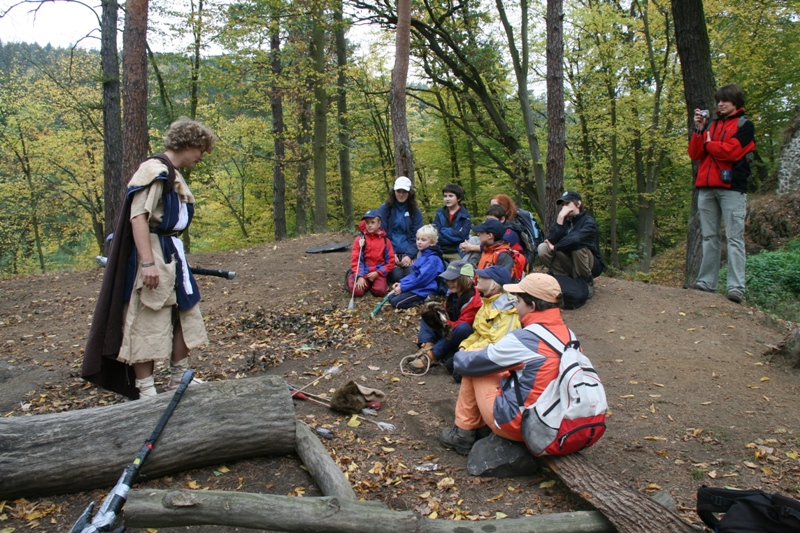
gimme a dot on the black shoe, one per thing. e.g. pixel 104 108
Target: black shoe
pixel 460 440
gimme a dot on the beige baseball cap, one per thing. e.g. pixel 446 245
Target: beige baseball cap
pixel 539 286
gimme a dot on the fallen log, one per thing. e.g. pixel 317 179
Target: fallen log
pixel 164 508
pixel 87 449
pixel 330 479
pixel 629 510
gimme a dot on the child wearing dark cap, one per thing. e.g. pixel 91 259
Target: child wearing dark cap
pixel 497 316
pixel 372 258
pixel 496 250
pixel 463 301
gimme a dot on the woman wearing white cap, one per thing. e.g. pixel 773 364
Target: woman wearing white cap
pixel 401 218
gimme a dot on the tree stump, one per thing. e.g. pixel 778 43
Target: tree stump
pixel 163 508
pixel 627 509
pixel 788 349
pixel 87 449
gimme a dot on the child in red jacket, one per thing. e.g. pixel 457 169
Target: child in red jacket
pixel 462 303
pixel 372 258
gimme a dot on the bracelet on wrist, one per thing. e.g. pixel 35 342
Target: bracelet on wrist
pixel 150 264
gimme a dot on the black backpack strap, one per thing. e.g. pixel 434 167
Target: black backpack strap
pixel 787 507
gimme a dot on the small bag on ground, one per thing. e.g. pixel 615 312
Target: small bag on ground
pixel 747 511
pixel 570 414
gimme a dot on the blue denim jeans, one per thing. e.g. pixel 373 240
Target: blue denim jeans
pixel 443 348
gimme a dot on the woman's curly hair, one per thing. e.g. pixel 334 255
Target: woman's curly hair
pixel 187 133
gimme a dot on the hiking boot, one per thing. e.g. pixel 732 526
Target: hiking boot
pixel 423 361
pixel 482 433
pixel 460 440
pixel 735 296
pixel 698 287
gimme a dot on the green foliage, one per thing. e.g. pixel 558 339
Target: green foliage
pixel 773 281
pixel 625 114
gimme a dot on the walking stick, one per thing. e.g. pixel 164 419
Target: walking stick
pixel 112 505
pixel 378 307
pixel 198 271
pixel 355 274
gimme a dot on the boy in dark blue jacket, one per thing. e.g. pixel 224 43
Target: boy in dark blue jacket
pixel 453 222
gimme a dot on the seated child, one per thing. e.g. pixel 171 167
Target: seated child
pixel 472 249
pixel 497 251
pixel 452 221
pixel 497 316
pixel 421 283
pixel 372 258
pixel 463 301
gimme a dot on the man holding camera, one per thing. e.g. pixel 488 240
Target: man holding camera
pixel 722 147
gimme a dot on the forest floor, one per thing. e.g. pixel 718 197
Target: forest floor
pixel 693 399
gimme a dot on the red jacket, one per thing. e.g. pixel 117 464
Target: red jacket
pixel 464 312
pixel 377 254
pixel 730 143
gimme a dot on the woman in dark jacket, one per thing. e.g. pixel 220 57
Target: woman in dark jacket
pixel 401 218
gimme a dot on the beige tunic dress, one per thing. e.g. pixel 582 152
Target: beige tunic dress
pixel 150 314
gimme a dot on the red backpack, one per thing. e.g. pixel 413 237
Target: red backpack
pixel 518 272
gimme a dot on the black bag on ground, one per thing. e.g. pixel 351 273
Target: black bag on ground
pixel 747 511
pixel 574 291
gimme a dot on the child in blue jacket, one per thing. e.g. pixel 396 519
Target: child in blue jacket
pixel 421 283
pixel 452 221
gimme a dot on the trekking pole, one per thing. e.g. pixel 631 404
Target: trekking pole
pixel 112 505
pixel 355 274
pixel 330 370
pixel 378 307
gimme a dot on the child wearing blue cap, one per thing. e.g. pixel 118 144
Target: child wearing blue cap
pixel 497 316
pixel 372 258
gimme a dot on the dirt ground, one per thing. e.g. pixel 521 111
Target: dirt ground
pixel 692 398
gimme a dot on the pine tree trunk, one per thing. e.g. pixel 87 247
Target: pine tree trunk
pixel 344 128
pixel 556 136
pixel 135 138
pixel 276 104
pixel 691 39
pixel 304 161
pixel 320 122
pixel 113 182
pixel 403 157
